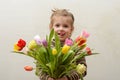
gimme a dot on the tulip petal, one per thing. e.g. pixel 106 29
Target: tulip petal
pixel 37 39
pixel 68 42
pixel 54 51
pixel 28 68
pixel 65 49
pixel 32 44
pixel 85 34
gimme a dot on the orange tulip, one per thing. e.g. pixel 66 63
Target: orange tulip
pixel 28 68
pixel 80 40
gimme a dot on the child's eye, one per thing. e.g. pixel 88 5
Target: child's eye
pixel 57 25
pixel 65 26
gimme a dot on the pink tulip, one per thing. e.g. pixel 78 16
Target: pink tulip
pixel 69 42
pixel 85 34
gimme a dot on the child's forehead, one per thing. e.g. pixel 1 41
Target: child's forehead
pixel 63 18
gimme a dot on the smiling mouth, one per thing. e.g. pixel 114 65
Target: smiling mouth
pixel 61 34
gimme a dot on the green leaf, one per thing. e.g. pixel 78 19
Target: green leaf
pixel 92 54
pixel 95 53
pixel 81 55
pixel 51 68
pixel 67 56
pixel 41 52
pixel 18 52
pixel 47 38
pixel 57 43
pixel 81 77
pixel 49 44
pixel 83 46
pixel 50 37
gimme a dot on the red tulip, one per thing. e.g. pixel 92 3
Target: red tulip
pixel 21 43
pixel 28 68
pixel 88 51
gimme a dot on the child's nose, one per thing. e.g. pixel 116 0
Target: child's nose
pixel 61 28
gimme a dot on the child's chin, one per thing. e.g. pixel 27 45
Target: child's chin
pixel 62 39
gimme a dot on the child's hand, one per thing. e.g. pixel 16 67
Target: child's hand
pixel 50 78
pixel 63 78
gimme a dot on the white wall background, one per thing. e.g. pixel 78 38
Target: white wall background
pixel 26 18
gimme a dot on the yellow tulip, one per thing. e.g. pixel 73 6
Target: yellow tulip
pixel 16 48
pixel 32 44
pixel 81 68
pixel 54 51
pixel 65 49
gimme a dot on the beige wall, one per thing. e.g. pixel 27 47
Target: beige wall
pixel 26 18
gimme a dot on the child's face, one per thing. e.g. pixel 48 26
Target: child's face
pixel 63 26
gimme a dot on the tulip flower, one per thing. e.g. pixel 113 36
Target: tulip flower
pixel 81 68
pixel 65 49
pixel 28 68
pixel 19 45
pixel 88 50
pixel 80 40
pixel 44 42
pixel 37 39
pixel 16 48
pixel 68 42
pixel 54 51
pixel 32 44
pixel 55 59
pixel 85 34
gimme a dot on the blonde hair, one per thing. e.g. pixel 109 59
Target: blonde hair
pixel 60 12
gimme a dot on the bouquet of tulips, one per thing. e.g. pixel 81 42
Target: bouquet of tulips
pixel 56 60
